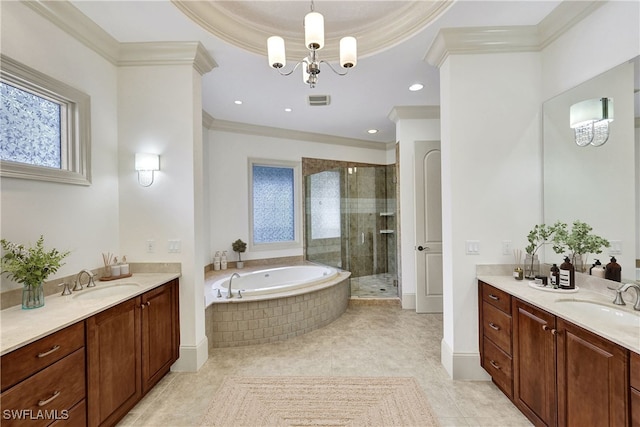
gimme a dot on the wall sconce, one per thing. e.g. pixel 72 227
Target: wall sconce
pixel 590 121
pixel 145 165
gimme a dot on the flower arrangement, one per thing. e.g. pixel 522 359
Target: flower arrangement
pixel 578 241
pixel 239 246
pixel 30 266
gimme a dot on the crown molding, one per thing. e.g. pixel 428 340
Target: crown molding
pixel 166 53
pixel 523 38
pixel 68 18
pixel 249 129
pixel 424 112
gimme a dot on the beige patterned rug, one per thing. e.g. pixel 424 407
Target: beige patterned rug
pixel 319 401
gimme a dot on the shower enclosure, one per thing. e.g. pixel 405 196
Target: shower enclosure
pixel 350 223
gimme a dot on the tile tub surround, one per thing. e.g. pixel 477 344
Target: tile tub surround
pixel 21 327
pixel 257 320
pixel 591 289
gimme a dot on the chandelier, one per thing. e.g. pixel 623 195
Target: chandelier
pixel 590 121
pixel 314 41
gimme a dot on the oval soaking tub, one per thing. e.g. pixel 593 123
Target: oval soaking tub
pixel 275 280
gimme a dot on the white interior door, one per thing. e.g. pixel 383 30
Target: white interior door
pixel 428 227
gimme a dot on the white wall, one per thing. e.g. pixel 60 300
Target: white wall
pixel 77 218
pixel 160 112
pixel 228 187
pixel 491 179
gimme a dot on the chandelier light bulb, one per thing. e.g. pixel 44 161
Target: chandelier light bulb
pixel 348 52
pixel 314 30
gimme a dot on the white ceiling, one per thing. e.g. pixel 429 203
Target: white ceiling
pixel 359 101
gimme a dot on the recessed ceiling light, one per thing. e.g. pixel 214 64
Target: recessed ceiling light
pixel 416 87
pixel 237 102
pixel 288 110
pixel 372 131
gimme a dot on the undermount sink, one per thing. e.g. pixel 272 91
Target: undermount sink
pixel 603 312
pixel 102 291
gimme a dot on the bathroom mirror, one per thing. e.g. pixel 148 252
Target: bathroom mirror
pixel 596 185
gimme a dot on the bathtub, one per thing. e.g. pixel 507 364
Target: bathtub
pixel 274 280
pixel 276 304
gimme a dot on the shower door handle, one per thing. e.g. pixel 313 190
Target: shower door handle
pixel 362 238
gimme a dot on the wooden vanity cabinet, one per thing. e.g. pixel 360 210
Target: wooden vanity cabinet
pixel 130 347
pixel 563 375
pixel 634 381
pixel 44 382
pixel 495 336
pixel 534 354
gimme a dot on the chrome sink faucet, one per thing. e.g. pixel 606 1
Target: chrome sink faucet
pixel 90 283
pixel 620 301
pixel 229 292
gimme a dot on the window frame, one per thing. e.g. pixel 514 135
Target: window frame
pixel 297 205
pixel 75 126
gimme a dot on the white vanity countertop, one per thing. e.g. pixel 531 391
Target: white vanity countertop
pixel 19 327
pixel 626 336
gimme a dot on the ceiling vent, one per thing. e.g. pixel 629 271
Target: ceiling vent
pixel 318 100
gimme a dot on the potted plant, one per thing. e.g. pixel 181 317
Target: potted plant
pixel 578 241
pixel 540 235
pixel 239 246
pixel 30 267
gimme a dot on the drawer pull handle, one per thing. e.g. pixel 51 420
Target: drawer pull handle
pixel 54 396
pixel 493 326
pixel 494 364
pixel 46 353
pixel 493 297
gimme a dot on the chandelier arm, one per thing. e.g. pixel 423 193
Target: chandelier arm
pixel 288 73
pixel 333 69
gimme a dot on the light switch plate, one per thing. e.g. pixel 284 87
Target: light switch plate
pixel 507 247
pixel 473 247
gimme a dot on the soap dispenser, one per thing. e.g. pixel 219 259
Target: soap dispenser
pixel 613 270
pixel 597 269
pixel 554 273
pixel 567 275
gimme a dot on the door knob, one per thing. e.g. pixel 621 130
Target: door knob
pixel 423 248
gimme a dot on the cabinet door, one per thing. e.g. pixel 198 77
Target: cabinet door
pixel 534 363
pixel 160 333
pixel 113 362
pixel 593 385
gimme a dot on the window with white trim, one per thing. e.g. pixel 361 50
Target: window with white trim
pixel 275 208
pixel 44 127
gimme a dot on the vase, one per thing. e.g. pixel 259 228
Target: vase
pixel 240 264
pixel 32 296
pixel 531 266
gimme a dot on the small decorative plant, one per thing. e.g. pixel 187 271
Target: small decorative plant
pixel 578 241
pixel 540 235
pixel 30 266
pixel 239 246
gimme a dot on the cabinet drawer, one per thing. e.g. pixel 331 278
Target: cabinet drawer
pixel 499 365
pixel 25 361
pixel 76 417
pixel 635 408
pixel 635 370
pixel 49 392
pixel 497 327
pixel 496 298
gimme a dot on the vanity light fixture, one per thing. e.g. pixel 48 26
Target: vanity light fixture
pixel 145 165
pixel 314 41
pixel 590 120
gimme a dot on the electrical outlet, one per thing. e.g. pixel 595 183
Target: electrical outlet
pixel 151 246
pixel 507 247
pixel 473 247
pixel 174 246
pixel 615 248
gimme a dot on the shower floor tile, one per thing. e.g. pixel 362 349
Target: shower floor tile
pixel 374 286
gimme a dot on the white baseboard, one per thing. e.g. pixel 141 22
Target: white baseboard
pixel 462 366
pixel 408 301
pixel 192 357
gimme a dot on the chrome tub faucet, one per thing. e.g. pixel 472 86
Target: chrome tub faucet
pixel 229 291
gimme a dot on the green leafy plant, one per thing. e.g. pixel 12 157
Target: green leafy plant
pixel 30 266
pixel 540 235
pixel 239 246
pixel 578 241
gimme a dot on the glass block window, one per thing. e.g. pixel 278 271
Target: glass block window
pixel 45 127
pixel 273 204
pixel 30 128
pixel 325 205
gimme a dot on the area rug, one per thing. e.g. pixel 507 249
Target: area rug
pixel 319 401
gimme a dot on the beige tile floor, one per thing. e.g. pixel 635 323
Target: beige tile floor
pixel 368 340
